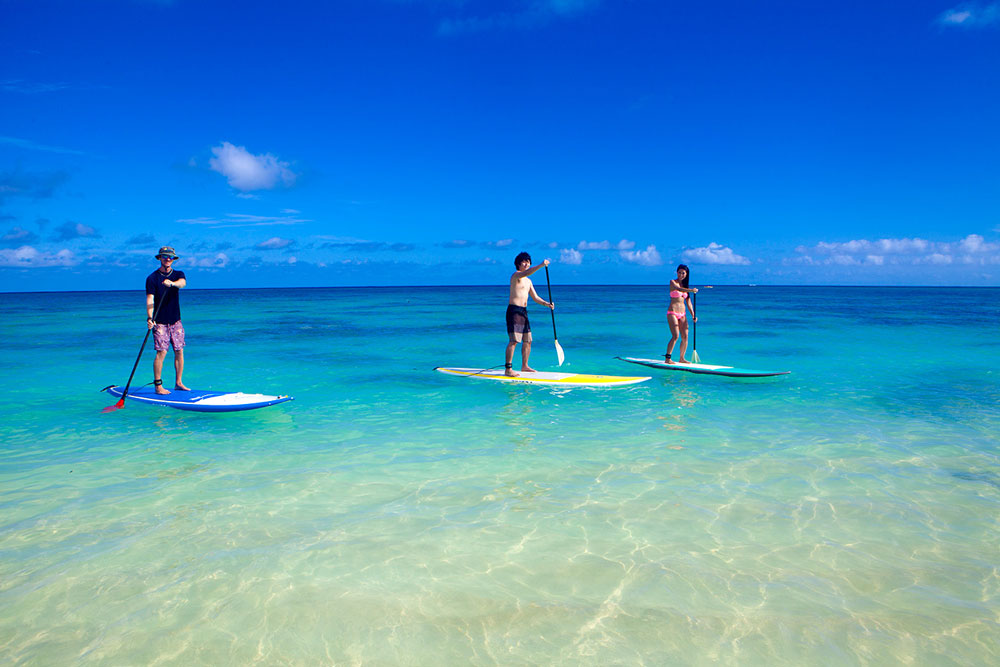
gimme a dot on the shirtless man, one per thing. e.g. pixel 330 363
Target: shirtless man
pixel 518 328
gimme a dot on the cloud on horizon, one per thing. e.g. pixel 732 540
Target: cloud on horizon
pixel 274 243
pixel 217 261
pixel 648 257
pixel 246 172
pixel 570 256
pixel 973 249
pixel 624 244
pixel 27 257
pixel 714 253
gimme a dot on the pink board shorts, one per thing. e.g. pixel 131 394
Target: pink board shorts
pixel 167 335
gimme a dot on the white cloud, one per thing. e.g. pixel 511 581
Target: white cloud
pixel 75 230
pixel 714 253
pixel 246 171
pixel 974 243
pixel 884 246
pixel 275 243
pixel 973 249
pixel 27 257
pixel 647 257
pixel 18 234
pixel 593 245
pixel 625 244
pixel 218 261
pixel 971 15
pixel 244 220
pixel 570 256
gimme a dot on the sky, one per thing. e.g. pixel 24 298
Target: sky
pixel 427 142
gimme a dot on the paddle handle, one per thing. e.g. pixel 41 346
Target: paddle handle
pixel 548 283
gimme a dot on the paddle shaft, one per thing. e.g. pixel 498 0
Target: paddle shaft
pixel 551 310
pixel 694 323
pixel 142 348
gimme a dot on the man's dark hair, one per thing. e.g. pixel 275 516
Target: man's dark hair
pixel 523 256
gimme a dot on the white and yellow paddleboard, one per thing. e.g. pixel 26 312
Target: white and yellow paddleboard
pixel 539 377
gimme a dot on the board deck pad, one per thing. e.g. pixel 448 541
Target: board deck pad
pixel 542 377
pixel 199 400
pixel 703 369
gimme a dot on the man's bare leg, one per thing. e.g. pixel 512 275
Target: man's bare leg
pixel 509 357
pixel 179 369
pixel 525 353
pixel 158 371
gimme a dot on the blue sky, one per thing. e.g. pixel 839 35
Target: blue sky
pixel 395 142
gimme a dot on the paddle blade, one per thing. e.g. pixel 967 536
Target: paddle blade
pixel 117 406
pixel 560 355
pixel 694 355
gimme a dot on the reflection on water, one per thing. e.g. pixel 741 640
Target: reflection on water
pixel 392 514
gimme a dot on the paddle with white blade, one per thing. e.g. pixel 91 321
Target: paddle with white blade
pixel 559 351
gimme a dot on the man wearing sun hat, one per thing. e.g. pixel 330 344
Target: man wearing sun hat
pixel 163 301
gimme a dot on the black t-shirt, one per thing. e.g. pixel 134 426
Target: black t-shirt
pixel 171 310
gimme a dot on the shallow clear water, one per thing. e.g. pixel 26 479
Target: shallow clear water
pixel 844 514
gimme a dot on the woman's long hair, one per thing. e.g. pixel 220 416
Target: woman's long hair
pixel 687 275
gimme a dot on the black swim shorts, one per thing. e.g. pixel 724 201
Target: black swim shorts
pixel 517 320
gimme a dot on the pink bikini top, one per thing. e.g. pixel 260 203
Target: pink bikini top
pixel 678 295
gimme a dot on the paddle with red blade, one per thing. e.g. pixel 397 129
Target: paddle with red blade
pixel 121 402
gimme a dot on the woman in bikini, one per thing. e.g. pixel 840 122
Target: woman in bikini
pixel 676 315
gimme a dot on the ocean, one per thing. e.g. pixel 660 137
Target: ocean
pixel 847 513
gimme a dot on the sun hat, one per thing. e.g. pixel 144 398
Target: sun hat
pixel 166 251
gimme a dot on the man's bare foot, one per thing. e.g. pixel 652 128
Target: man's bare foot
pixel 181 387
pixel 161 391
pixel 528 369
pixel 671 362
pixel 683 361
pixel 511 374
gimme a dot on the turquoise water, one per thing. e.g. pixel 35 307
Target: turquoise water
pixel 844 514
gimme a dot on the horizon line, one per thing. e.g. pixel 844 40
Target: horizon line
pixel 501 285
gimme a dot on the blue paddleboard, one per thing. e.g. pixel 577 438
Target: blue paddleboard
pixel 200 401
pixel 703 369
